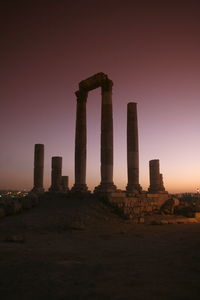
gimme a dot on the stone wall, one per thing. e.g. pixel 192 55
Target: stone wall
pixel 137 207
pixel 12 206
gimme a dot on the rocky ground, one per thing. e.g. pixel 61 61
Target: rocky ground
pixel 80 249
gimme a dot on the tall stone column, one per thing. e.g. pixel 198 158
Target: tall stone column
pixel 106 184
pixel 38 168
pixel 80 143
pixel 65 184
pixel 154 172
pixel 56 174
pixel 133 185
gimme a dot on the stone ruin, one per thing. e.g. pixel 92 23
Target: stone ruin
pixel 106 185
pixel 132 202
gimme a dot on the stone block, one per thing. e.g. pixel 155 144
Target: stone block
pixel 11 206
pixel 27 203
pixel 2 212
pixel 117 195
pixel 197 215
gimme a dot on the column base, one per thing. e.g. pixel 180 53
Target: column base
pixel 150 191
pixel 38 190
pixel 66 190
pixel 156 189
pixel 134 188
pixel 105 188
pixel 80 188
pixel 55 190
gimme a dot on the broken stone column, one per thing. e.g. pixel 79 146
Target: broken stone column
pixel 106 184
pixel 80 143
pixel 65 184
pixel 56 174
pixel 133 185
pixel 162 188
pixel 155 179
pixel 38 168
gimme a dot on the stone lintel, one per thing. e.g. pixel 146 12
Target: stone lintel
pixel 94 82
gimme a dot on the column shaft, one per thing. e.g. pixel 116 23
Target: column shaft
pixel 80 143
pixel 65 183
pixel 38 168
pixel 162 188
pixel 56 174
pixel 154 172
pixel 132 149
pixel 106 137
pixel 106 184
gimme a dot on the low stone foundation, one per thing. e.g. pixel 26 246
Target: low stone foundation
pixel 137 206
pixel 12 206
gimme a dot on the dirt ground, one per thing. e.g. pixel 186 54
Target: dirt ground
pixel 80 249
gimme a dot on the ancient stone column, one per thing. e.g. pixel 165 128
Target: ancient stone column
pixel 162 188
pixel 80 143
pixel 154 172
pixel 56 174
pixel 133 185
pixel 65 184
pixel 106 184
pixel 38 168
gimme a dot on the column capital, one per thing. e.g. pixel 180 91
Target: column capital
pixel 107 85
pixel 81 95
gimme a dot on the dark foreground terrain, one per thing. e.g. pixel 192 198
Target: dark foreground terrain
pixel 80 249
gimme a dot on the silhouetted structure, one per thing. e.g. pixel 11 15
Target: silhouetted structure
pixel 156 180
pixel 162 188
pixel 65 184
pixel 38 168
pixel 133 203
pixel 133 185
pixel 106 184
pixel 56 174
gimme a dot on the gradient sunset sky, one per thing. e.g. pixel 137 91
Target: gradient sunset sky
pixel 151 51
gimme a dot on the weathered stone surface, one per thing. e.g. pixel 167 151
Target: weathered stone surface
pixel 169 206
pixel 2 212
pixel 197 215
pixel 80 143
pixel 27 203
pixel 38 168
pixel 11 206
pixel 65 184
pixel 162 188
pixel 156 179
pixel 154 175
pixel 106 185
pixel 138 206
pixel 197 205
pixel 93 82
pixel 34 198
pixel 56 173
pixel 133 185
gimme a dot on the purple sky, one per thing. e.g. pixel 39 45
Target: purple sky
pixel 150 49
